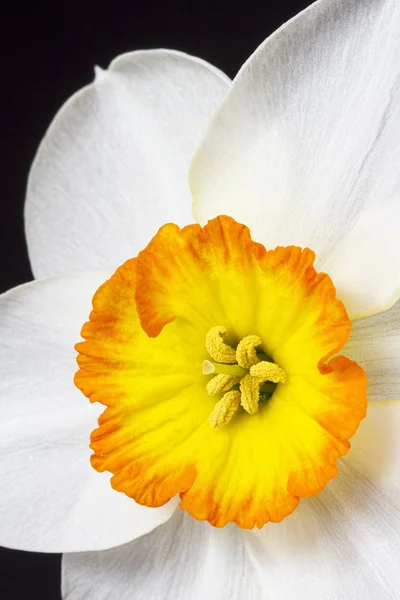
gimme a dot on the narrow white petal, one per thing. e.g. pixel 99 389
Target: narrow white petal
pixel 344 543
pixel 375 344
pixel 306 146
pixel 112 168
pixel 180 560
pixel 50 497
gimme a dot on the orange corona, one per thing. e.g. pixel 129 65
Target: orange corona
pixel 213 358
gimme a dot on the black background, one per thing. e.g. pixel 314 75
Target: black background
pixel 48 50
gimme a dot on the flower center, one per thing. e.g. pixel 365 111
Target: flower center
pixel 243 376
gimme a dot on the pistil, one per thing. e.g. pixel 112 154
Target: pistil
pixel 210 367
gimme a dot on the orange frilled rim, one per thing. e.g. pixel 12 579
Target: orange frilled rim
pixel 142 359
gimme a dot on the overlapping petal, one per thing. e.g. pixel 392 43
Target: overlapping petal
pixel 113 165
pixel 375 343
pixel 181 559
pixel 305 147
pixel 50 497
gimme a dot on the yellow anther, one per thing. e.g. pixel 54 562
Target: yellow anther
pixel 221 383
pixel 216 348
pixel 267 371
pixel 246 355
pixel 225 409
pixel 250 388
pixel 241 366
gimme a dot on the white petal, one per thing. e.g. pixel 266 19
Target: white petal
pixel 306 146
pixel 113 165
pixel 180 560
pixel 50 498
pixel 375 344
pixel 344 543
pixel 375 449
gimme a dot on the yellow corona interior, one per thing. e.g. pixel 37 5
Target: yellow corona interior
pixel 217 363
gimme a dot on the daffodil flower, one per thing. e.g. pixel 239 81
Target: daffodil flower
pixel 227 360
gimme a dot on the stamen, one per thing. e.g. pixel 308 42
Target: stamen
pixel 257 378
pixel 224 410
pixel 216 348
pixel 246 355
pixel 221 383
pixel 250 394
pixel 267 371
